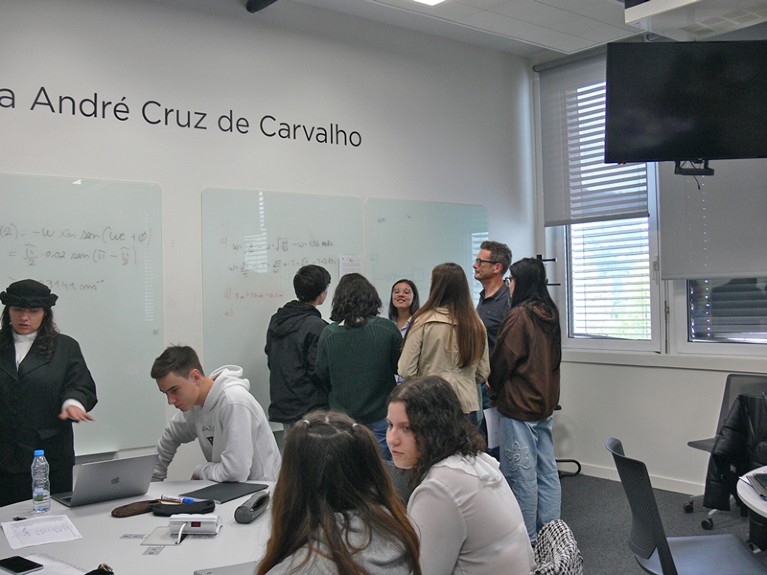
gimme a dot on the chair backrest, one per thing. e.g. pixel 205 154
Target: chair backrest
pixel 737 384
pixel 647 532
pixel 556 551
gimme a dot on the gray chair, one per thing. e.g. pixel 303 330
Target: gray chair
pixel 735 385
pixel 661 555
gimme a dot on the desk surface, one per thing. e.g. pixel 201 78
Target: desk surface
pixel 749 496
pixel 103 537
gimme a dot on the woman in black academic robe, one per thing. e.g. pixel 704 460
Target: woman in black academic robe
pixel 45 385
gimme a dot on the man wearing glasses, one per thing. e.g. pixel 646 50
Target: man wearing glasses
pixel 490 265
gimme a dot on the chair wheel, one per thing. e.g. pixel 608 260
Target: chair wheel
pixel 707 524
pixel 688 507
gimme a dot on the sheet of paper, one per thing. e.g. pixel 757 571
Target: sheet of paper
pixel 493 418
pixel 39 530
pixel 349 264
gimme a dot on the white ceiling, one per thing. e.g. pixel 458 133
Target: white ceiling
pixel 536 29
pixel 530 28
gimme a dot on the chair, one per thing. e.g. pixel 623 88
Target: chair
pixel 735 385
pixel 556 551
pixel 661 555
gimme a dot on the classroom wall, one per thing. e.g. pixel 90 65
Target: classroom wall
pixel 654 410
pixel 438 120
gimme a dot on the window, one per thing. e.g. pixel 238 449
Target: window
pixel 476 241
pixel 603 223
pixel 609 279
pixel 727 311
pixel 606 215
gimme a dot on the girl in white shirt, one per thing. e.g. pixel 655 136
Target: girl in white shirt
pixel 465 513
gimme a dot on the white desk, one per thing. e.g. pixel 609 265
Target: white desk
pixel 103 542
pixel 750 497
pixel 757 514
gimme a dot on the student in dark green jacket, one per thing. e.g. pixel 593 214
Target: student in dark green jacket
pixel 357 355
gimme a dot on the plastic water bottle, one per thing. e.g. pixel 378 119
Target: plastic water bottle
pixel 41 485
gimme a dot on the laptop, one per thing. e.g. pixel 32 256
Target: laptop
pixel 247 568
pixel 108 480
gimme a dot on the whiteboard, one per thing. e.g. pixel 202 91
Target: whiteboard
pixel 406 239
pixel 97 245
pixel 253 244
pixel 255 241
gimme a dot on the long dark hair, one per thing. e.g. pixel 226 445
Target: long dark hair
pixel 332 466
pixel 531 291
pixel 450 289
pixel 46 334
pixel 437 420
pixel 354 300
pixel 414 305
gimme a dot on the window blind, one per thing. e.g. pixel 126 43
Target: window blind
pixel 610 288
pixel 714 227
pixel 577 185
pixel 604 206
pixel 733 311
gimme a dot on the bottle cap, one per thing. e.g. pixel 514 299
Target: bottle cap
pixel 39 452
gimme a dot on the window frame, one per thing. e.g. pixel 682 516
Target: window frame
pixel 558 236
pixel 668 345
pixel 678 336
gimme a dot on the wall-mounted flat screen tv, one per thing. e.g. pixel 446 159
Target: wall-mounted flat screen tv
pixel 686 101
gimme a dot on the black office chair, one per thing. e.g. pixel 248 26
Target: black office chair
pixel 661 555
pixel 735 385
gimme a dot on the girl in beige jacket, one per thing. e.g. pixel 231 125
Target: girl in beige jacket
pixel 447 338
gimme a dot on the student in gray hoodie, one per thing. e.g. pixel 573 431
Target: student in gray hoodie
pixel 220 413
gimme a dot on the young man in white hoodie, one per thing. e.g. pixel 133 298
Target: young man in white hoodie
pixel 219 411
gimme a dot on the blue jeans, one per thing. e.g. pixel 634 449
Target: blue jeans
pixel 379 430
pixel 527 462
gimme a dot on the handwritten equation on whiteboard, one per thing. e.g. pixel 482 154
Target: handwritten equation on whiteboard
pixel 257 254
pixel 102 246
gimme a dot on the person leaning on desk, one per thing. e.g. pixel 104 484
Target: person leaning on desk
pixel 219 411
pixel 45 385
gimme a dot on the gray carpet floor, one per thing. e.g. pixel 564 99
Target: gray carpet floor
pixel 598 514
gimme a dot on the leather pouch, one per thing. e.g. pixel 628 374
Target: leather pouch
pixel 135 508
pixel 168 509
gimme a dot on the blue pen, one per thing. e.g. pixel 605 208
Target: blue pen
pixel 171 499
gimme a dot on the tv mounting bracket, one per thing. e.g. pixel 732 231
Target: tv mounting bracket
pixel 699 168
